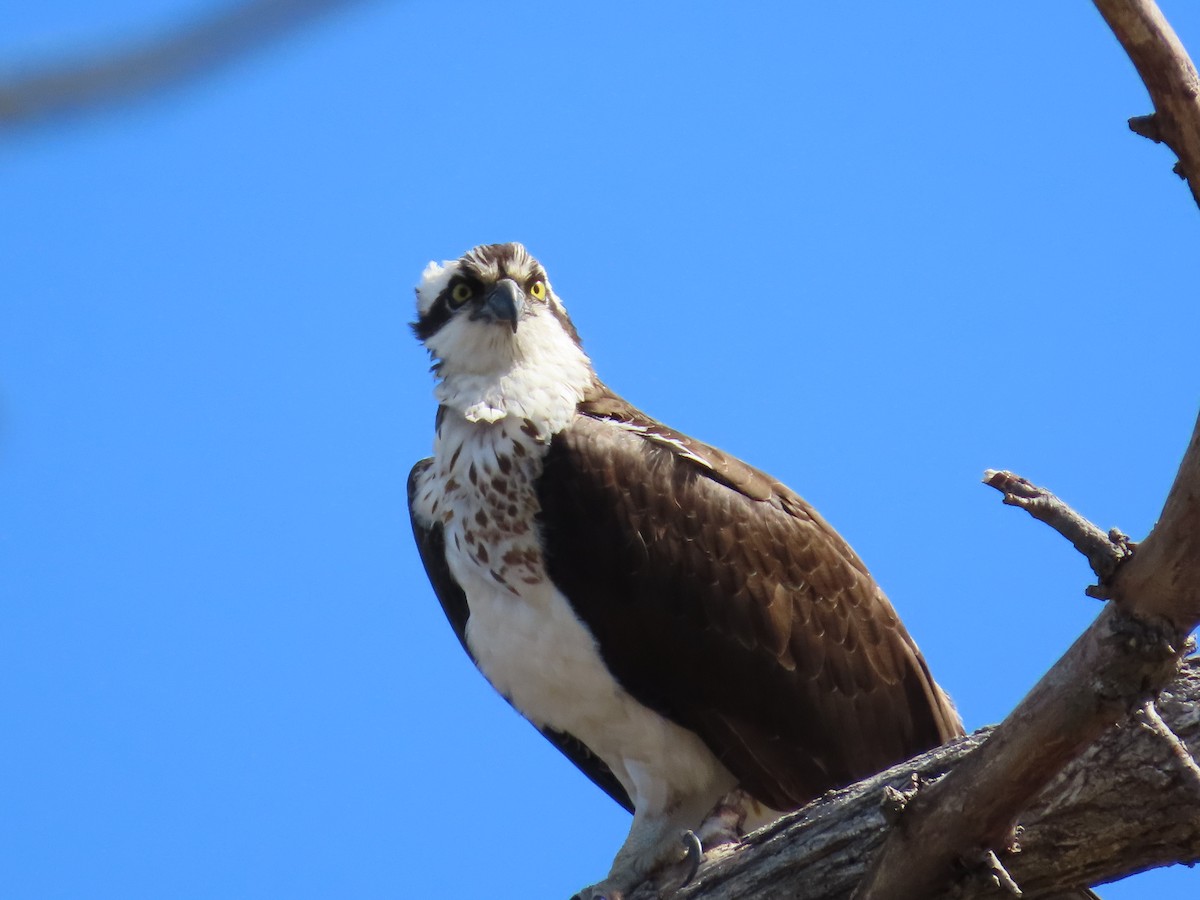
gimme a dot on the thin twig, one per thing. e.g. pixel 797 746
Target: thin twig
pixel 1152 721
pixel 1104 551
pixel 999 874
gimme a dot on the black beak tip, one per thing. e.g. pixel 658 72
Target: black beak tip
pixel 503 303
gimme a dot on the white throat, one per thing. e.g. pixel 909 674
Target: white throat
pixel 539 375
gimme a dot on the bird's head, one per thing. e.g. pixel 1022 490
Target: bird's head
pixel 498 334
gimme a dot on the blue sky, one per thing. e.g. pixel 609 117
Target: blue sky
pixel 872 248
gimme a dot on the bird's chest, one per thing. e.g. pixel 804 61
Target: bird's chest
pixel 482 491
pixel 523 633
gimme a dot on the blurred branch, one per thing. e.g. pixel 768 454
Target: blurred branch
pixel 136 70
pixel 1170 77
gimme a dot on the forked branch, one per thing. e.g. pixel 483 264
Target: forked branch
pixel 1116 666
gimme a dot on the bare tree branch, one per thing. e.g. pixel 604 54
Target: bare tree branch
pixel 1169 76
pixel 1149 716
pixel 1161 580
pixel 131 72
pixel 1120 661
pixel 1104 552
pixel 1127 804
pixel 1102 676
pixel 1127 654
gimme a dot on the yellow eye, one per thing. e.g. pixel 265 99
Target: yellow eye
pixel 537 290
pixel 460 294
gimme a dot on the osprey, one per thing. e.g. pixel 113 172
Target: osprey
pixel 686 629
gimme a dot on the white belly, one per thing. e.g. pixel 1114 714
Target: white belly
pixel 535 651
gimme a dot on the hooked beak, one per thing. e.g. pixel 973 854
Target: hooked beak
pixel 504 303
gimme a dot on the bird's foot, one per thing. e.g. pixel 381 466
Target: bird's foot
pixel 674 866
pixel 726 822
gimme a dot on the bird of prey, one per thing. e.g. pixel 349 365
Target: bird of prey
pixel 686 629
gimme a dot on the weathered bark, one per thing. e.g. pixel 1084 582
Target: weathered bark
pixel 1127 804
pixel 1169 76
pixel 1120 661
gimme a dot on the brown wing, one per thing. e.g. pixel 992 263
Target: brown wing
pixel 720 599
pixel 432 547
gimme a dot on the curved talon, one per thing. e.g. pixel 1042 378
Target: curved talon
pixel 693 854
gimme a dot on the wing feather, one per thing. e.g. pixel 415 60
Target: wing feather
pixel 722 600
